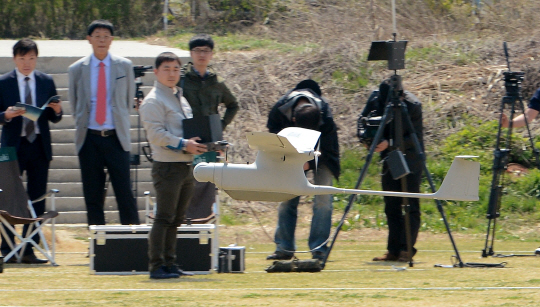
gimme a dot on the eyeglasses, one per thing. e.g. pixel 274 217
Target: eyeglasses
pixel 107 37
pixel 202 51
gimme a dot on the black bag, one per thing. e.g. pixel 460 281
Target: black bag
pixel 295 265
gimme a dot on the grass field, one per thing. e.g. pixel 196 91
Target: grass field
pixel 350 278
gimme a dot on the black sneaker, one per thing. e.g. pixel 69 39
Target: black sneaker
pixel 176 270
pixel 163 273
pixel 279 255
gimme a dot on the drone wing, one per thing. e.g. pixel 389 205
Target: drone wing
pixel 304 140
pixel 289 140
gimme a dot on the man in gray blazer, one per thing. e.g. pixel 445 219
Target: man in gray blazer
pixel 101 90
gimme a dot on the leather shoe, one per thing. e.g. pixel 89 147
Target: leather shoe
pixel 162 273
pixel 387 257
pixel 13 259
pixel 278 255
pixel 32 259
pixel 176 270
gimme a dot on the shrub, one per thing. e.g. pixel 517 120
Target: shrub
pixel 69 18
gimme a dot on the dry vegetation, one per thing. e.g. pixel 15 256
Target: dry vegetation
pixel 454 63
pixel 461 74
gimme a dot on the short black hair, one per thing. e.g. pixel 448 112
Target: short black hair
pixel 201 40
pixel 24 46
pixel 100 23
pixel 307 116
pixel 167 57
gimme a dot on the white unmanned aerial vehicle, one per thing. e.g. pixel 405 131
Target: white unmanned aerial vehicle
pixel 277 174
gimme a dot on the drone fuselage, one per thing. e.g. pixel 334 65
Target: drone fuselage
pixel 278 174
pixel 271 177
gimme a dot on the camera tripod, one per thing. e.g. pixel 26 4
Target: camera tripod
pixel 396 111
pixel 135 159
pixel 512 83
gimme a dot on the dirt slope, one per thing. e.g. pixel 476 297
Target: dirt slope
pixel 454 65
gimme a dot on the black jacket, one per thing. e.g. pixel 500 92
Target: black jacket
pixel 414 109
pixel 9 95
pixel 280 117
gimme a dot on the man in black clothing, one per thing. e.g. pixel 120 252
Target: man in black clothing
pixel 397 243
pixel 31 139
pixel 305 107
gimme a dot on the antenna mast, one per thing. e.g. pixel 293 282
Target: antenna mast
pixel 394 27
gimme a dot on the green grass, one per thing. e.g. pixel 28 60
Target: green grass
pixel 349 279
pixel 229 218
pixel 352 80
pixel 456 54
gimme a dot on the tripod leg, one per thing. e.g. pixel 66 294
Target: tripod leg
pixel 408 228
pixel 500 160
pixel 485 250
pixel 491 252
pixel 490 239
pixel 440 208
pixel 494 200
pixel 363 173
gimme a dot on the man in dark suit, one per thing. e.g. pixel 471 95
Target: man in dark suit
pixel 101 90
pixel 32 140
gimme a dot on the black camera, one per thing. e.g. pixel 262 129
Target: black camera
pixel 367 127
pixel 513 81
pixel 139 70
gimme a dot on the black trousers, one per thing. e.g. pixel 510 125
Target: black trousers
pixel 174 184
pixel 397 239
pixel 97 153
pixel 34 162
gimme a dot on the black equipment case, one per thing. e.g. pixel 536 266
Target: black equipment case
pixel 123 249
pixel 232 259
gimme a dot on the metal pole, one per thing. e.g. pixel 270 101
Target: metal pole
pixel 394 27
pixel 165 11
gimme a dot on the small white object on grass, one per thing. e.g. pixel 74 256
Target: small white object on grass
pixel 398 268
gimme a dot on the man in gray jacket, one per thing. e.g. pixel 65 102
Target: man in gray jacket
pixel 101 90
pixel 162 113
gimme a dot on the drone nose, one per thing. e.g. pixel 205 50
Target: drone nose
pixel 204 172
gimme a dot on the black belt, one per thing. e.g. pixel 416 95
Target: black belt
pixel 103 133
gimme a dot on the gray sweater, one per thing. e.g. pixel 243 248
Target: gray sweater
pixel 162 115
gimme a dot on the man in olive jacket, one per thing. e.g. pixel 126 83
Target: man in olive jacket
pixel 202 88
pixel 205 91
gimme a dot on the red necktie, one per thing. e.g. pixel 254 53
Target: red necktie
pixel 101 107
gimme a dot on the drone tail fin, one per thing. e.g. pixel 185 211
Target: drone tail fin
pixel 461 182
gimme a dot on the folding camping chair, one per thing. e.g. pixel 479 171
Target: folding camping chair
pixel 17 209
